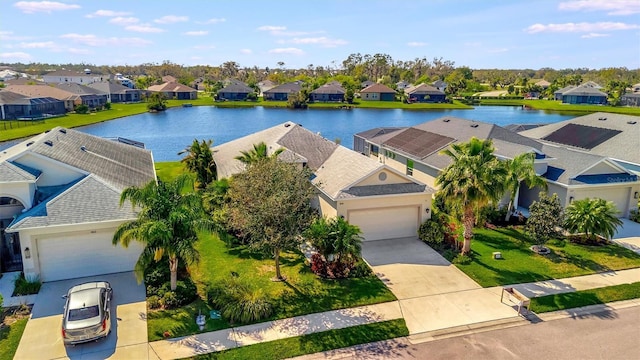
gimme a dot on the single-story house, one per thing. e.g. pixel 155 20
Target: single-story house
pixel 557 95
pixel 584 95
pixel 236 90
pixel 382 201
pixel 173 90
pixel 332 92
pixel 88 96
pixel 425 93
pixel 591 84
pixel 71 94
pixel 169 78
pixel 18 106
pixel 440 85
pixel 378 92
pixel 23 81
pixel 401 85
pixel 544 84
pixel 281 92
pixel 632 99
pixel 266 85
pixel 366 83
pixel 570 173
pixel 59 204
pixel 117 93
pixel 70 76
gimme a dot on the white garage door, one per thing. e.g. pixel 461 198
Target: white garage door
pixel 68 257
pixel 387 223
pixel 619 196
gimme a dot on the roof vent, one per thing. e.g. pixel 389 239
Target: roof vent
pixel 30 143
pixel 474 125
pixel 632 122
pixel 446 120
pixel 287 125
pixel 48 142
pixel 64 131
pixel 602 118
pixel 83 148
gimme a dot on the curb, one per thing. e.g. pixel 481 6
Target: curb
pixel 467 329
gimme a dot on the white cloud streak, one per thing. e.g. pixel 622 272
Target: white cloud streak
pixel 290 51
pixel 213 21
pixel 594 35
pixel 15 56
pixel 322 40
pixel 123 21
pixel 30 7
pixel 144 28
pixel 107 13
pixel 611 7
pixel 93 40
pixel 580 27
pixel 171 19
pixel 37 45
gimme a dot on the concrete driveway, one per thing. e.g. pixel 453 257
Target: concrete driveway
pixel 433 294
pixel 42 338
pixel 628 235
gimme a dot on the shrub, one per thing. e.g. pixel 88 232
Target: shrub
pixel 169 300
pixel 82 109
pixel 107 106
pixel 462 259
pixel 252 96
pixel 360 270
pixel 24 286
pixel 634 215
pixel 186 291
pixel 154 302
pixel 431 232
pixel 239 301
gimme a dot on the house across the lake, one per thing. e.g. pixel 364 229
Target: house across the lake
pixel 18 106
pixel 378 92
pixel 174 90
pixel 425 94
pixel 332 92
pixel 117 93
pixel 235 91
pixel 584 95
pixel 282 92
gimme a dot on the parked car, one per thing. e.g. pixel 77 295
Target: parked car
pixel 87 312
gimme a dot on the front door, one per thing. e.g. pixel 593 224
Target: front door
pixel 10 250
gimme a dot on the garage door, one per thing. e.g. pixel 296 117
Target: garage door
pixel 619 196
pixel 387 223
pixel 84 255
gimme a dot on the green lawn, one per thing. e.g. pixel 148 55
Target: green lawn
pixel 356 104
pixel 180 321
pixel 169 169
pixel 557 106
pixel 585 298
pixel 314 343
pixel 10 338
pixel 521 265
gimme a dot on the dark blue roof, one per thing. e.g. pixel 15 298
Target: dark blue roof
pixel 606 178
pixel 30 170
pixel 553 173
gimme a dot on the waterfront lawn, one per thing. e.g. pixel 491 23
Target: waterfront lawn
pixel 168 170
pixel 340 105
pixel 557 106
pixel 10 335
pixel 585 298
pixel 521 265
pixel 317 342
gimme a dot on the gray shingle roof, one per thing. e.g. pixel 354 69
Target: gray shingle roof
pixel 88 200
pixel 12 173
pixel 108 87
pixel 314 148
pixel 8 97
pixel 76 88
pixel 329 89
pixel 584 90
pixel 423 89
pixel 171 86
pixel 378 88
pixel 236 88
pixel 292 87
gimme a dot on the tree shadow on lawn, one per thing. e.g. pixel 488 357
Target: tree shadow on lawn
pixel 502 276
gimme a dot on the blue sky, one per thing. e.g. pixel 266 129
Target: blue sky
pixel 502 34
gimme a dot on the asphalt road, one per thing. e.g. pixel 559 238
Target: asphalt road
pixel 612 335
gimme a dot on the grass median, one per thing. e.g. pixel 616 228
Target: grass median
pixel 585 298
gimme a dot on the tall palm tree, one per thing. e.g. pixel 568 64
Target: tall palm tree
pixel 520 169
pixel 592 217
pixel 259 152
pixel 199 159
pixel 167 224
pixel 474 179
pixel 335 237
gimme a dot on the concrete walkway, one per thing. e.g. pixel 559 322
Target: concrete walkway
pixel 6 290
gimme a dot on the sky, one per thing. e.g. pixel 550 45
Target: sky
pixel 481 34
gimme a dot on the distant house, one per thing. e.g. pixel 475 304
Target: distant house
pixel 173 90
pixel 169 78
pixel 236 90
pixel 266 85
pixel 117 93
pixel 630 100
pixel 123 80
pixel 591 84
pixel 636 87
pixel 69 76
pixel 198 84
pixel 23 81
pixel 70 93
pixel 584 95
pixel 558 94
pixel 544 84
pixel 18 106
pixel 366 83
pixel 378 92
pixel 401 85
pixel 440 85
pixel 88 96
pixel 282 92
pixel 331 92
pixel 425 93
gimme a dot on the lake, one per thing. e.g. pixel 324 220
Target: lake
pixel 169 132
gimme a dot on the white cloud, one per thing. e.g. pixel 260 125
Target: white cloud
pixel 37 45
pixel 594 35
pixel 272 28
pixel 92 40
pixel 290 50
pixel 617 7
pixel 144 28
pixel 580 27
pixel 15 56
pixel 31 7
pixel 416 44
pixel 246 51
pixel 213 21
pixel 124 20
pixel 171 19
pixel 107 13
pixel 322 40
pixel 196 33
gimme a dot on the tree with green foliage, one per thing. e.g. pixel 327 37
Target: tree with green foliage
pixel 335 239
pixel 199 159
pixel 169 217
pixel 471 181
pixel 156 102
pixel 258 153
pixel 81 109
pixel 299 100
pixel 270 202
pixel 520 169
pixel 592 217
pixel 545 215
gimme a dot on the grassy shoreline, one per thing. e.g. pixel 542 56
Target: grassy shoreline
pixel 555 106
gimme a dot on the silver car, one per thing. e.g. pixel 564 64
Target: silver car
pixel 86 315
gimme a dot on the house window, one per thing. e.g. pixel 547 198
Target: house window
pixel 409 167
pixel 374 150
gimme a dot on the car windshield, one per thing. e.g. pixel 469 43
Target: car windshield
pixel 83 313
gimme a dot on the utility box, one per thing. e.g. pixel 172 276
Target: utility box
pixel 497 255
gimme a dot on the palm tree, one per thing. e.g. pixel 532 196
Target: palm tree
pixel 259 152
pixel 592 217
pixel 474 179
pixel 520 169
pixel 335 239
pixel 167 224
pixel 199 159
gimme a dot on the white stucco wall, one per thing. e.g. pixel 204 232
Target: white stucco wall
pixel 21 191
pixel 52 173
